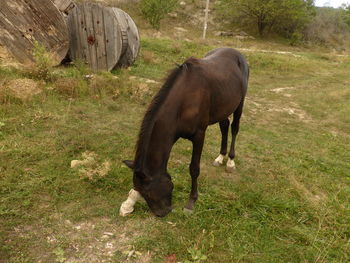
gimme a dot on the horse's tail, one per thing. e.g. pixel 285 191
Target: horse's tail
pixel 243 65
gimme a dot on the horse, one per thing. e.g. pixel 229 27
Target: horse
pixel 196 94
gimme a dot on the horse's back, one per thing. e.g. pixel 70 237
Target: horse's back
pixel 223 52
pixel 208 91
pixel 227 74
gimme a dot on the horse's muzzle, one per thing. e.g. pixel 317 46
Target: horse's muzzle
pixel 163 212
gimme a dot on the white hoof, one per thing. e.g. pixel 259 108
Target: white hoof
pixel 127 206
pixel 230 165
pixel 219 160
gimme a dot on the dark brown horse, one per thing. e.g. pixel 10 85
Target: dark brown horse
pixel 196 94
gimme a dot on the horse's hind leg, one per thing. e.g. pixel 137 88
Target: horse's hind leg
pixel 197 143
pixel 231 166
pixel 224 126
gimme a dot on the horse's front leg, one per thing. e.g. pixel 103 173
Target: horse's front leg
pixel 197 143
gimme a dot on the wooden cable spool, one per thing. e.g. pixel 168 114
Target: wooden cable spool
pixel 23 22
pixel 95 36
pixel 103 37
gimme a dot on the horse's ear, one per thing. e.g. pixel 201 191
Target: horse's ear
pixel 143 176
pixel 129 164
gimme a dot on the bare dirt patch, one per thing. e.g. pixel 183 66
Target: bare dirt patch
pixel 299 113
pixel 282 91
pixel 271 51
pixel 96 240
pixel 256 106
pixel 279 90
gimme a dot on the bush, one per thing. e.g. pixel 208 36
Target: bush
pixel 43 68
pixel 283 17
pixel 329 28
pixel 155 10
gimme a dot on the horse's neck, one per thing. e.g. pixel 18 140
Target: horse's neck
pixel 162 136
pixel 160 144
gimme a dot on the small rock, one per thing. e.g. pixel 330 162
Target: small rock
pixel 75 163
pixel 91 76
pixel 173 15
pixel 181 29
pixel 151 81
pixel 224 34
pixel 157 35
pixel 109 245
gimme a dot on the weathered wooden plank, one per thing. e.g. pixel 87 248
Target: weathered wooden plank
pixel 64 5
pixel 113 38
pixel 22 22
pixel 73 35
pixel 98 36
pixel 83 50
pixel 91 36
pixel 132 44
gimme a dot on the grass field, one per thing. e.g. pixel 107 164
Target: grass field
pixel 288 201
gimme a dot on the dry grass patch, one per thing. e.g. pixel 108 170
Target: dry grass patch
pixel 148 57
pixel 314 199
pixel 67 87
pixel 21 89
pixel 91 167
pixel 6 60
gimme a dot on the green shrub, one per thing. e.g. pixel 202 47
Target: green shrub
pixel 43 66
pixel 155 10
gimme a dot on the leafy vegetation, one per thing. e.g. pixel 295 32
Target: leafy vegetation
pixel 43 67
pixel 296 20
pixel 285 17
pixel 155 10
pixel 329 27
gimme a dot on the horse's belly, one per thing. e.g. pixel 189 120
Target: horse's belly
pixel 222 109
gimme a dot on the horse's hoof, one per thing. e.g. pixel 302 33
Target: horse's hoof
pixel 230 166
pixel 188 211
pixel 216 164
pixel 219 160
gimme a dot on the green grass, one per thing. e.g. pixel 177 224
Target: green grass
pixel 288 201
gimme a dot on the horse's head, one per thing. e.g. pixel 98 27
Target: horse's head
pixel 156 190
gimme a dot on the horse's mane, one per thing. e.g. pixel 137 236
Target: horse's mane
pixel 149 118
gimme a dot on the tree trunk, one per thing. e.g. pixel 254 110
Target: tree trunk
pixel 261 27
